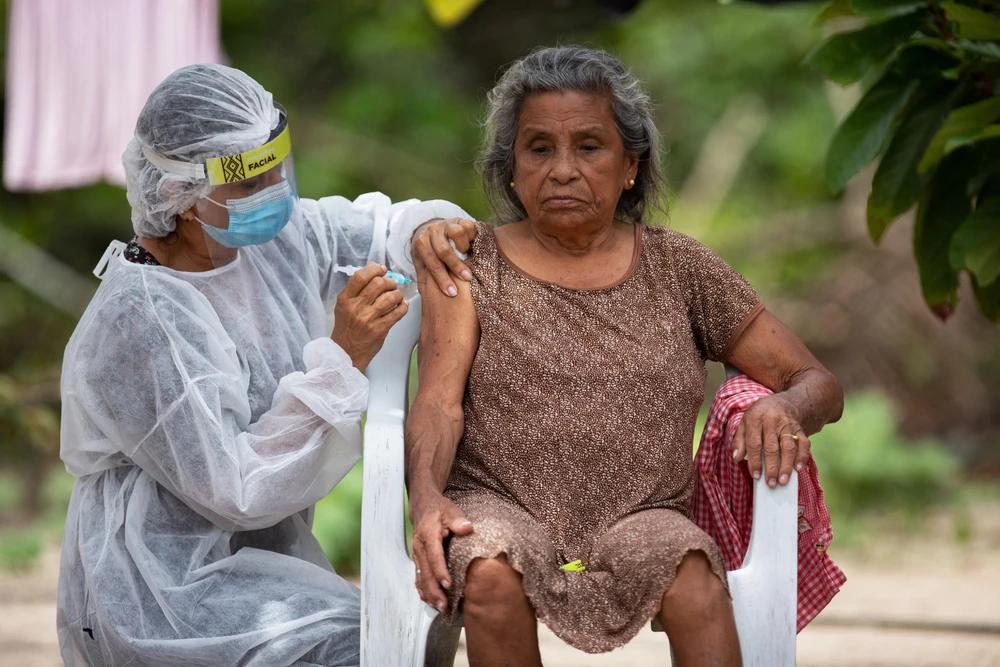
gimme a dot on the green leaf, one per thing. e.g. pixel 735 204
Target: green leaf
pixel 988 298
pixel 988 132
pixel 976 244
pixel 942 209
pixel 885 7
pixel 896 185
pixel 866 130
pixel 986 154
pixel 984 49
pixel 832 10
pixel 962 122
pixel 846 56
pixel 925 59
pixel 972 23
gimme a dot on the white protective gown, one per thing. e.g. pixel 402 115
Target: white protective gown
pixel 204 414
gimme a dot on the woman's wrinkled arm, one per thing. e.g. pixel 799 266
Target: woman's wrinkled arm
pixel 806 398
pixel 449 338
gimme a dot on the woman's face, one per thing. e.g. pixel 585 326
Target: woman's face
pixel 570 166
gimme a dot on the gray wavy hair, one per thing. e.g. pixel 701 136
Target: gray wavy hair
pixel 563 68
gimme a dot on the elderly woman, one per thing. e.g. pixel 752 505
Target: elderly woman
pixel 207 405
pixel 549 447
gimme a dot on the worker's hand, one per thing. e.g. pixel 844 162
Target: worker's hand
pixel 431 250
pixel 772 425
pixel 440 518
pixel 366 309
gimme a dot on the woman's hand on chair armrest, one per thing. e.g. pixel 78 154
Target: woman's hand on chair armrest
pixel 434 517
pixel 771 425
pixel 807 397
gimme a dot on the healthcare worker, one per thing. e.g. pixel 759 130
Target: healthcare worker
pixel 206 405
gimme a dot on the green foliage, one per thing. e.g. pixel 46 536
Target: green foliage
pixel 22 542
pixel 942 209
pixel 896 185
pixel 976 244
pixel 963 126
pixel 936 72
pixel 866 466
pixel 847 56
pixel 972 23
pixel 29 437
pixel 19 550
pixel 337 523
pixel 864 133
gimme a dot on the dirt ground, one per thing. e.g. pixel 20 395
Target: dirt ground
pixel 908 602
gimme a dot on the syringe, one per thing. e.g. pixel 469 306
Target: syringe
pixel 397 278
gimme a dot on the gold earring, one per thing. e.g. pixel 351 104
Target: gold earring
pixel 631 182
pixel 512 184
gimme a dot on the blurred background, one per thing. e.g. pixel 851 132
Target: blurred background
pixel 387 96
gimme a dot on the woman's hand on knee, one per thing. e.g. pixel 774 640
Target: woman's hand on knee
pixel 440 518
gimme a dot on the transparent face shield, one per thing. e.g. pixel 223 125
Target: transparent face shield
pixel 249 212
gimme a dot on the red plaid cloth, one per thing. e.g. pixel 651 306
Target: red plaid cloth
pixel 722 504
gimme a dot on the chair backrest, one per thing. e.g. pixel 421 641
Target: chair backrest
pixel 394 622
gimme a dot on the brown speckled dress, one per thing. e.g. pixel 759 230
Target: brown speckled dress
pixel 579 418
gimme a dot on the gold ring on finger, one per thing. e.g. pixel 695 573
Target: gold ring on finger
pixel 789 435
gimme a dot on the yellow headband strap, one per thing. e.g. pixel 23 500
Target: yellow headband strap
pixel 232 168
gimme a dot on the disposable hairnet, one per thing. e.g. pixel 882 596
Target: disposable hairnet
pixel 198 112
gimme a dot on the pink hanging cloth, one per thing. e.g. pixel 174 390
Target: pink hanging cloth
pixel 78 73
pixel 722 502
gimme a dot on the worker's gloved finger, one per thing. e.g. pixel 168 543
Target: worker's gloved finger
pixel 772 456
pixel 804 452
pixel 789 450
pixel 752 440
pixel 362 277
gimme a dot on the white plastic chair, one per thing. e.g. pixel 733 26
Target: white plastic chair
pixel 399 630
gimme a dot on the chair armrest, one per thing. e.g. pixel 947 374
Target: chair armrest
pixel 394 621
pixel 765 588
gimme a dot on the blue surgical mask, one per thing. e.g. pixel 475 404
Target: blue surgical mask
pixel 256 219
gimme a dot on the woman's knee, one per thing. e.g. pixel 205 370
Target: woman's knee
pixel 696 589
pixel 492 587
